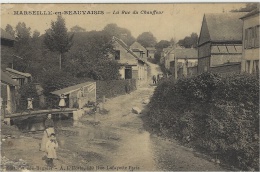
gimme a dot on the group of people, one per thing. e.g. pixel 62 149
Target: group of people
pixel 158 78
pixel 49 143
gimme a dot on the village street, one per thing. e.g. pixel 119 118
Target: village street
pixel 119 142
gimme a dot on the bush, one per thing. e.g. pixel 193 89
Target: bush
pixel 217 114
pixel 113 88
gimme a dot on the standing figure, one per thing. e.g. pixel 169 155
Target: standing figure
pixel 62 103
pixel 51 147
pixel 30 103
pixel 80 96
pixel 49 129
pixel 154 79
pixel 158 77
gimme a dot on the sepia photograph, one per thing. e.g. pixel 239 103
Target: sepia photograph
pixel 130 86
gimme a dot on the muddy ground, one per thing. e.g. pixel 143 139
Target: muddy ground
pixel 118 142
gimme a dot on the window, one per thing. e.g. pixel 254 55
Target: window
pixel 117 55
pixel 251 37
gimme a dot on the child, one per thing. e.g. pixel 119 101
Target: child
pixel 51 147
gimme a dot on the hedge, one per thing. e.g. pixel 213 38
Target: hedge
pixel 112 88
pixel 219 115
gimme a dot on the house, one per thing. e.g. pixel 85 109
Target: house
pixel 187 61
pixel 139 50
pixel 164 53
pixel 132 66
pixel 8 94
pixel 169 56
pixel 220 41
pixel 250 53
pixel 20 77
pixel 150 52
pixel 7 51
pixel 78 95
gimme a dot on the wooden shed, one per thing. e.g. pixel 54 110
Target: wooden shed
pixel 78 95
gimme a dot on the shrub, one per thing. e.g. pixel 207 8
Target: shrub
pixel 217 114
pixel 112 88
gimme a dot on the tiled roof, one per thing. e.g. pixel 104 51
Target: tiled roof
pixel 189 53
pixel 225 26
pixel 5 35
pixel 70 89
pixel 5 78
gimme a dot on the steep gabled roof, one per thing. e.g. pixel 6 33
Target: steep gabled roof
pixel 189 53
pixel 223 27
pixel 7 36
pixel 137 45
pixel 126 48
pixel 5 78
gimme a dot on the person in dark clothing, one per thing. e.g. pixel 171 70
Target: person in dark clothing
pixel 154 79
pixel 49 122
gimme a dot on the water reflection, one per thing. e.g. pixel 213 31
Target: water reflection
pixel 36 123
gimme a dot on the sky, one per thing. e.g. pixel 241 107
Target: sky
pixel 170 21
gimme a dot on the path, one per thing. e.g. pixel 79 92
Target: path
pixel 119 142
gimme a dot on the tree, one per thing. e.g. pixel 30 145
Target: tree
pixel 36 34
pixel 146 39
pixel 121 33
pixel 162 44
pixel 77 29
pixel 9 29
pixel 249 7
pixel 189 41
pixel 22 47
pixel 88 56
pixel 57 38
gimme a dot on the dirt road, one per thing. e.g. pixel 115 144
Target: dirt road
pixel 119 142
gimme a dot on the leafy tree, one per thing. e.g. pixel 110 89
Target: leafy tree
pixel 249 7
pixel 77 29
pixel 121 33
pixel 36 34
pixel 189 41
pixel 57 38
pixel 9 29
pixel 146 39
pixel 88 56
pixel 22 47
pixel 162 44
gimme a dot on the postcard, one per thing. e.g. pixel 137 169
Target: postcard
pixel 130 87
